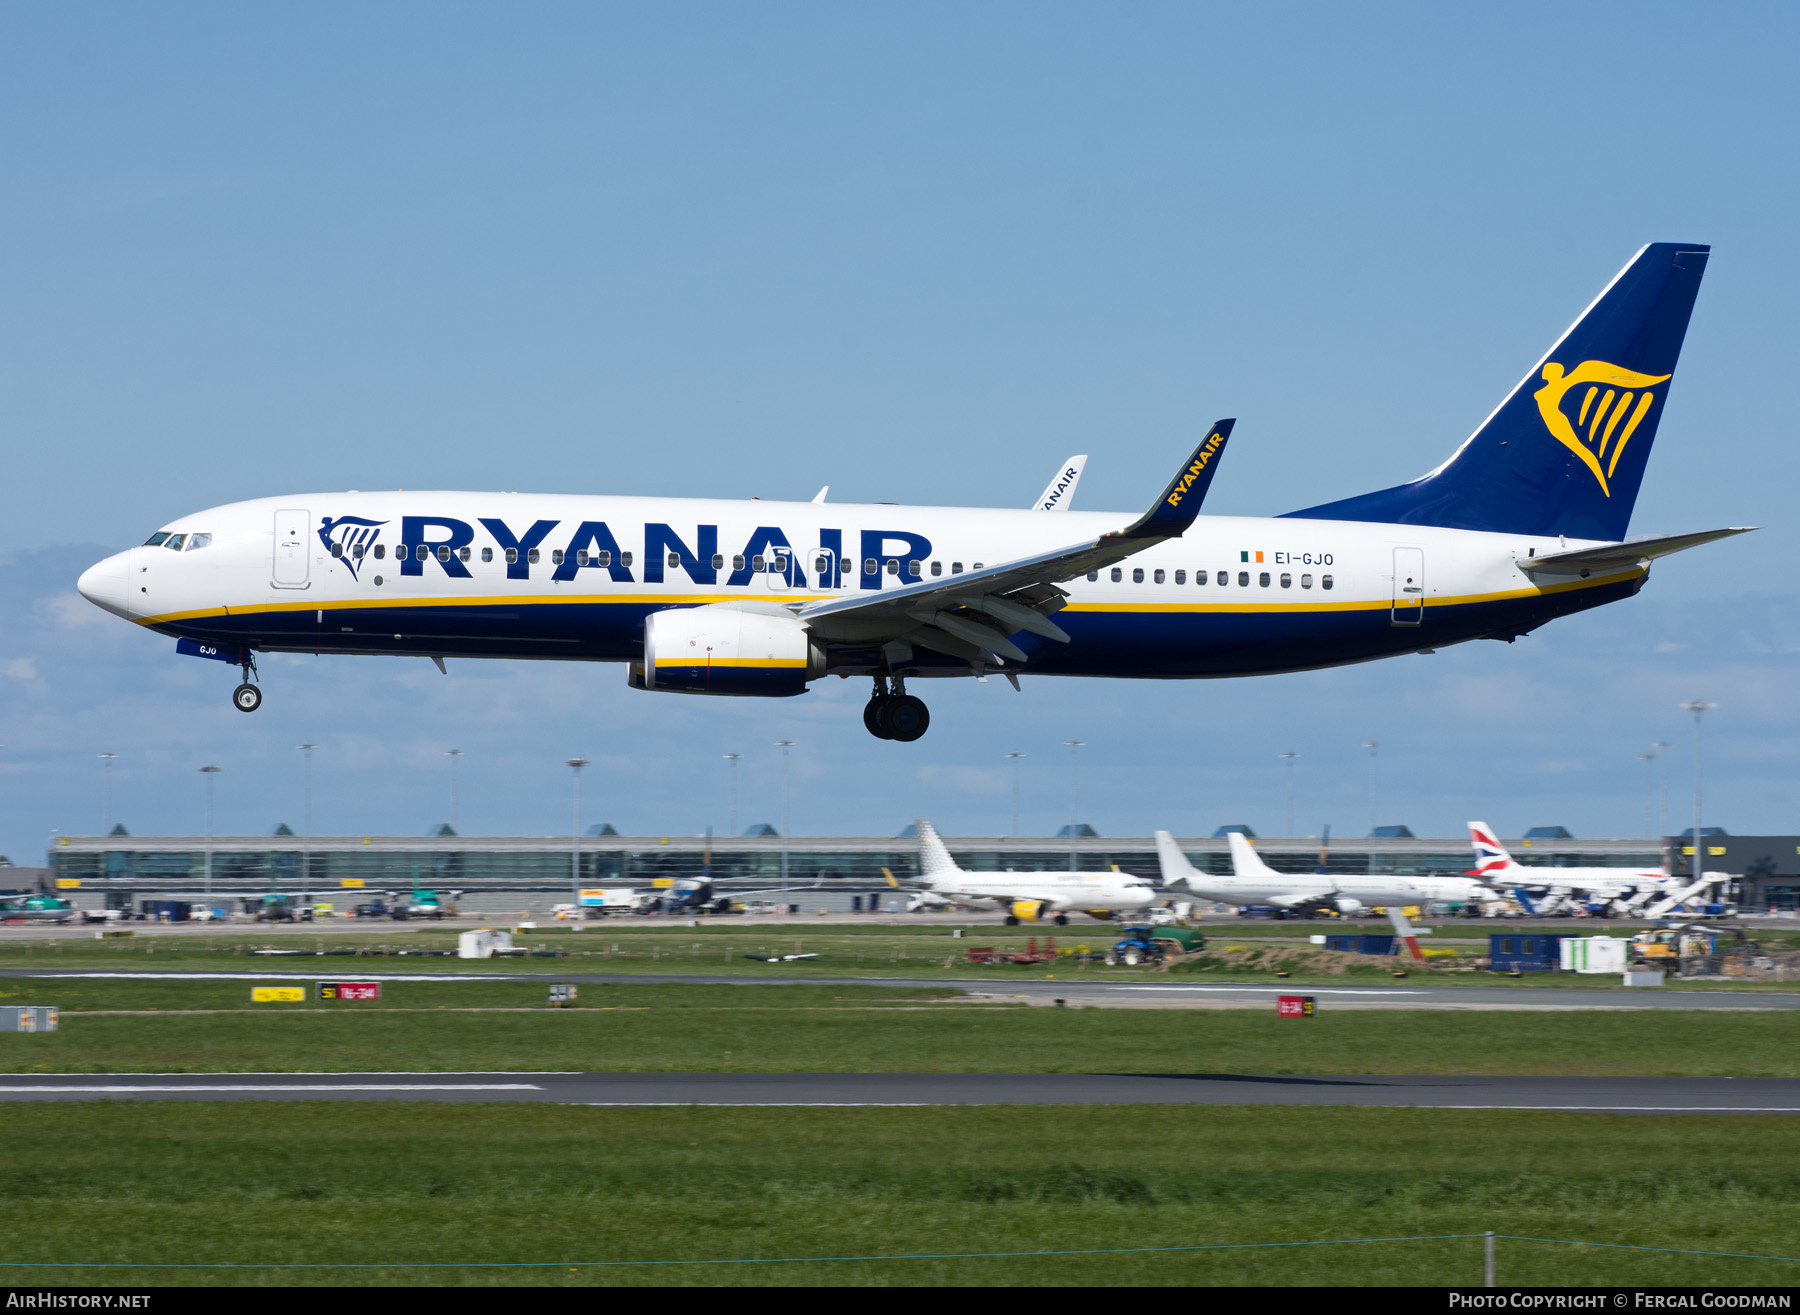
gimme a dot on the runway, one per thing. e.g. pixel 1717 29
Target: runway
pixel 1402 994
pixel 1624 1095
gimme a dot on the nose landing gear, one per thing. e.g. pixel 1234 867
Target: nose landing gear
pixel 247 697
pixel 893 714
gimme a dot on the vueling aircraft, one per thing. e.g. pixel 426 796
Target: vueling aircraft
pixel 1524 523
pixel 1028 896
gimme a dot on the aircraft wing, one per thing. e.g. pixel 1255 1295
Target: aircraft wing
pixel 1059 493
pixel 971 615
pixel 1617 556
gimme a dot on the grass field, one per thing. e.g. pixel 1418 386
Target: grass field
pixel 383 1184
pixel 925 951
pixel 654 1026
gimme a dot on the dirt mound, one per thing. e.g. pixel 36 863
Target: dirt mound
pixel 1300 960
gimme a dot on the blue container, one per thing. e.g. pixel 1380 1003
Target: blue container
pixel 1528 952
pixel 1360 944
pixel 166 910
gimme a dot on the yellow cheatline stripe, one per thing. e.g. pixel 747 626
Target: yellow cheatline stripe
pixel 686 664
pixel 671 600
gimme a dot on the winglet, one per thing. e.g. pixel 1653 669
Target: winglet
pixel 1180 502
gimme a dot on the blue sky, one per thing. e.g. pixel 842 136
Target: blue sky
pixel 920 253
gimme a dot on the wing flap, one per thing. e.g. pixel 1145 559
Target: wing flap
pixel 1619 556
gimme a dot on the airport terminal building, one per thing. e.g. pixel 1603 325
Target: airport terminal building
pixel 126 868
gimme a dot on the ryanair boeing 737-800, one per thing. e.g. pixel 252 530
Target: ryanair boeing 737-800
pixel 1526 522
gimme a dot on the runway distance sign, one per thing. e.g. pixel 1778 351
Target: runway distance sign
pixel 349 990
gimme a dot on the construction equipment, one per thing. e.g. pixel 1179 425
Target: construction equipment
pixel 1155 945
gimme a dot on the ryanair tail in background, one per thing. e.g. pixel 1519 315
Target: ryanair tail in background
pixel 1565 452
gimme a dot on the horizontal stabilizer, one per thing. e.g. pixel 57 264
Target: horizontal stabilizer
pixel 1618 556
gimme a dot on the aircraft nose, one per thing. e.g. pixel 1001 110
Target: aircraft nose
pixel 108 584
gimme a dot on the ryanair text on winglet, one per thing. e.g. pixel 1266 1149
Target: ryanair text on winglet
pixel 1192 473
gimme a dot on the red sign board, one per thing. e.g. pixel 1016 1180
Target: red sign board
pixel 349 990
pixel 1293 1006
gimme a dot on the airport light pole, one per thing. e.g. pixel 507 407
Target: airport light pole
pixel 1015 758
pixel 1372 746
pixel 1649 759
pixel 306 826
pixel 106 812
pixel 1699 707
pixel 209 771
pixel 575 834
pixel 1662 787
pixel 784 746
pixel 455 756
pixel 733 759
pixel 1074 747
pixel 1288 759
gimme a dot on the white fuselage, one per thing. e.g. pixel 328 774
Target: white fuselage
pixel 1062 892
pixel 1285 890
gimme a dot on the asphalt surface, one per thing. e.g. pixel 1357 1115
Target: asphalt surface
pixel 1403 994
pixel 1627 1095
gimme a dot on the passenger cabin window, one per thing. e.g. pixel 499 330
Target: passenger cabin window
pixel 913 569
pixel 893 566
pixel 174 542
pixel 512 555
pixel 1117 575
pixel 1181 577
pixel 556 557
pixel 1243 579
pixel 977 566
pixel 380 551
pixel 464 553
pixel 443 552
pixel 1287 581
pixel 601 558
pixel 1306 582
pixel 955 568
pixel 1263 579
pixel 1224 577
pixel 1324 582
pixel 337 549
pixel 358 551
pixel 821 565
pixel 487 554
pixel 399 552
pixel 870 566
pixel 759 563
pixel 1093 576
pixel 780 566
pixel 624 558
pixel 1137 575
pixel 581 556
pixel 1199 577
pixel 1158 577
pixel 156 540
pixel 205 541
pixel 718 561
pixel 737 562
pixel 937 568
pixel 674 559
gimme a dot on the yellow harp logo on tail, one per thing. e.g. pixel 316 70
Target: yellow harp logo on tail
pixel 1613 406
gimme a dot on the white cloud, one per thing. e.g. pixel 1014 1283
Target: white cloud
pixel 20 669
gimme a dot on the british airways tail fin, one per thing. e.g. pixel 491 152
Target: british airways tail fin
pixel 1565 452
pixel 1491 858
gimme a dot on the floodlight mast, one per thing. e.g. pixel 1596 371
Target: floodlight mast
pixel 575 834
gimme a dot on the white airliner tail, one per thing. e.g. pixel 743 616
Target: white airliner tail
pixel 1245 861
pixel 934 856
pixel 1174 864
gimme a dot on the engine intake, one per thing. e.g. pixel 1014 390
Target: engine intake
pixel 727 650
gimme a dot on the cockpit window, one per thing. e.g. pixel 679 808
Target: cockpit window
pixel 174 542
pixel 199 541
pixel 156 540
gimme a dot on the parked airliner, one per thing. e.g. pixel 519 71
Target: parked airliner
pixel 1254 882
pixel 1031 896
pixel 1627 890
pixel 1524 523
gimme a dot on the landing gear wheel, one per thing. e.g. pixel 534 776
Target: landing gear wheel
pixel 1011 921
pixel 246 697
pixel 872 716
pixel 904 718
pixel 1062 920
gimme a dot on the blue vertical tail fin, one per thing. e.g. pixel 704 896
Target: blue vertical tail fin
pixel 1564 454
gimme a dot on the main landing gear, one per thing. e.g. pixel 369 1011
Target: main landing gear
pixel 893 714
pixel 247 697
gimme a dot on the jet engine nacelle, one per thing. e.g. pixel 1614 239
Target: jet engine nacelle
pixel 727 650
pixel 1348 906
